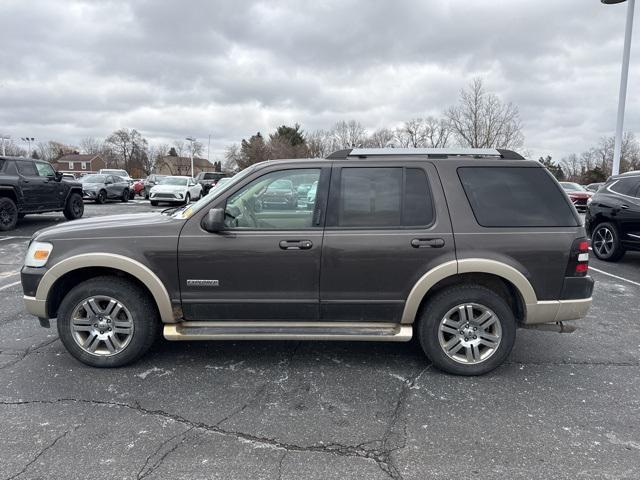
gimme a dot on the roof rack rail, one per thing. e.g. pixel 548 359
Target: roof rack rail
pixel 430 152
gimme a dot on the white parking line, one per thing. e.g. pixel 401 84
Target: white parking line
pixel 6 238
pixel 10 285
pixel 614 276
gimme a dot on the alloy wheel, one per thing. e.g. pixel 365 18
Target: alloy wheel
pixel 470 333
pixel 603 241
pixel 101 325
pixel 7 213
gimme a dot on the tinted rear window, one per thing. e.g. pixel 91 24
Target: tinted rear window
pixel 515 197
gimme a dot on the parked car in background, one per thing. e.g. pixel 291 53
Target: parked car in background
pixel 68 176
pixel 311 195
pixel 102 187
pixel 303 190
pixel 138 187
pixel 209 179
pixel 119 173
pixel 150 182
pixel 279 194
pixel 378 261
pixel 613 217
pixel 593 187
pixel 175 189
pixel 578 194
pixel 222 181
pixel 33 186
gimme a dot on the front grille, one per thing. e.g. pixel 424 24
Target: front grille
pixel 164 195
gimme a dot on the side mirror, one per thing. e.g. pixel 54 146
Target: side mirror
pixel 108 182
pixel 58 176
pixel 214 221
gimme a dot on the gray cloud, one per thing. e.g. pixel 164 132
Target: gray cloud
pixel 71 69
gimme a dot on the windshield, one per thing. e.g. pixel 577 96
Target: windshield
pixel 120 173
pixel 574 187
pixel 187 211
pixel 93 179
pixel 172 181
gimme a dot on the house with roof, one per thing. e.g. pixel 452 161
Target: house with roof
pixel 79 164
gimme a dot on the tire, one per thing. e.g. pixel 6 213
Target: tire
pixel 138 321
pixel 146 196
pixel 102 197
pixel 132 194
pixel 187 199
pixel 8 214
pixel 125 196
pixel 468 355
pixel 605 242
pixel 74 208
pixel 154 203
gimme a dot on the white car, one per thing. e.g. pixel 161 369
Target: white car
pixel 175 189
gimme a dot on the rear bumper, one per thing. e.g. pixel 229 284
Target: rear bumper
pixel 574 303
pixel 551 311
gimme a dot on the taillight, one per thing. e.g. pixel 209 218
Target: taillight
pixel 578 258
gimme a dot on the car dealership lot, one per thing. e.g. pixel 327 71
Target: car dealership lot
pixel 563 406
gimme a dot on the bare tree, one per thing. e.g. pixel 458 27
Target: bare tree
pixel 91 146
pixel 348 134
pixel 380 138
pixel 127 146
pixel 321 143
pixel 482 120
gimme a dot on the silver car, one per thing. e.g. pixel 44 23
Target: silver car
pixel 101 188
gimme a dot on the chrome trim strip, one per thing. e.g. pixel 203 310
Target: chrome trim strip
pixel 352 331
pixel 117 262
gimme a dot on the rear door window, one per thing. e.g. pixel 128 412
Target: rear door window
pixel 28 169
pixel 515 197
pixel 384 197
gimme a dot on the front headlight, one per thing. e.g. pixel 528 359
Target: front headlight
pixel 38 254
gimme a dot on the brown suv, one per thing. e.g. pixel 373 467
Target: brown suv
pixel 458 246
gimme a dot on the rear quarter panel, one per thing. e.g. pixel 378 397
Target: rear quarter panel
pixel 541 254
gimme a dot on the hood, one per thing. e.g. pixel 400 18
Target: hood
pixel 129 225
pixel 91 184
pixel 168 188
pixel 580 194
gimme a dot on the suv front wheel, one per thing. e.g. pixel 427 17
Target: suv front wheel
pixel 467 330
pixel 107 322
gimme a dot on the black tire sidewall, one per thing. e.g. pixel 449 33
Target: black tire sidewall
pixel 125 195
pixel 444 301
pixel 101 197
pixel 618 251
pixel 68 209
pixel 8 203
pixel 146 321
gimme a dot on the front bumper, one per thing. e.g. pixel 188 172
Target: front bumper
pixel 30 278
pixel 89 194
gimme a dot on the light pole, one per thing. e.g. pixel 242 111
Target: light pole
pixel 623 82
pixel 192 140
pixel 2 139
pixel 28 141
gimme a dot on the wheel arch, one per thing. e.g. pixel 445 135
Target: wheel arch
pixel 507 281
pixel 69 272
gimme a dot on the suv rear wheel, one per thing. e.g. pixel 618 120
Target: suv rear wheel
pixel 8 214
pixel 125 196
pixel 605 242
pixel 467 330
pixel 107 322
pixel 74 207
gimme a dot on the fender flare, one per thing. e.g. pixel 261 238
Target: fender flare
pixel 117 262
pixel 468 265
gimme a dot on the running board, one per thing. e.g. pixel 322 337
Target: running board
pixel 348 331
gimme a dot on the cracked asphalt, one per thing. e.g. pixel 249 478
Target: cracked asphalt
pixel 562 407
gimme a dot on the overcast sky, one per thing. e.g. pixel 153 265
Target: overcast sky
pixel 174 68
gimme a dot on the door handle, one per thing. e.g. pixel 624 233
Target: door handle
pixel 296 244
pixel 427 242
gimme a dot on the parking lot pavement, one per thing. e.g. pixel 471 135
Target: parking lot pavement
pixel 563 406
